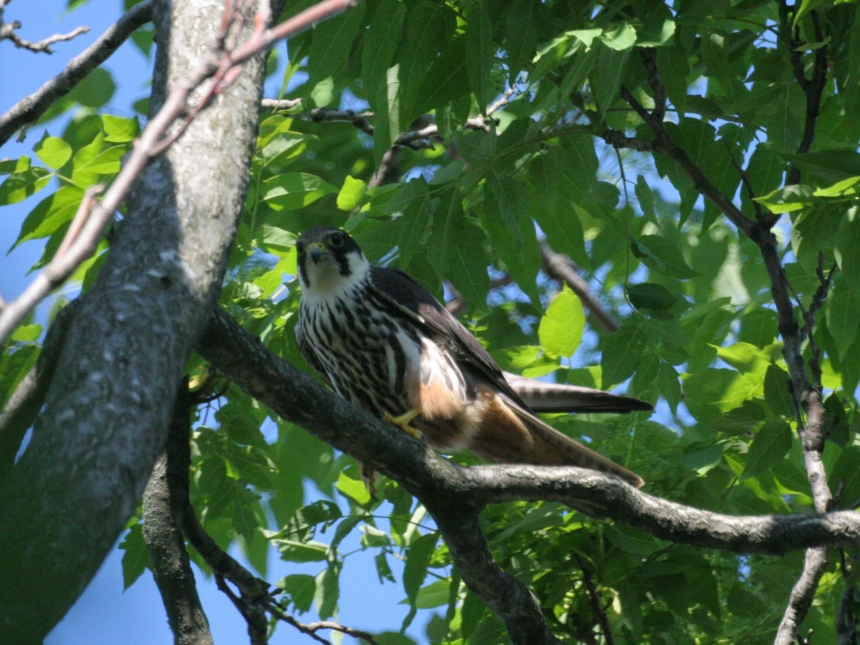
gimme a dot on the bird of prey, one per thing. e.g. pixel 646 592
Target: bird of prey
pixel 385 343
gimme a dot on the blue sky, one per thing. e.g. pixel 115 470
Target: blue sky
pixel 105 615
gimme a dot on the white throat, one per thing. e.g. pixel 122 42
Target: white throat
pixel 326 281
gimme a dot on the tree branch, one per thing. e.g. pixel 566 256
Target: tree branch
pixel 7 32
pixel 760 232
pixel 454 495
pixel 163 511
pixel 801 596
pixel 29 109
pixel 563 269
pixel 222 64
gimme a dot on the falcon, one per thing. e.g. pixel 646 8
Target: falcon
pixel 386 344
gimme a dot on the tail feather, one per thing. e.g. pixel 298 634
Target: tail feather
pixel 553 448
pixel 558 397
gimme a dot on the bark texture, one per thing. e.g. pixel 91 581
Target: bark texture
pixel 108 409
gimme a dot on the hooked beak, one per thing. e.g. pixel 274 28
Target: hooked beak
pixel 316 251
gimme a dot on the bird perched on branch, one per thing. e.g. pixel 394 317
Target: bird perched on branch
pixel 385 343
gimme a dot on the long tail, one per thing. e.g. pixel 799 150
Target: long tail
pixel 541 396
pixel 511 435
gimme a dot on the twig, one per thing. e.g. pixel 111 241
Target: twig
pixel 276 105
pixel 311 629
pixel 30 108
pixel 219 64
pixel 7 32
pixel 813 88
pixel 77 245
pixel 596 606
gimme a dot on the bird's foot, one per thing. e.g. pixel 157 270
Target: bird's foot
pixel 402 422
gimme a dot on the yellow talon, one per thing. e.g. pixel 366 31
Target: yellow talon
pixel 402 422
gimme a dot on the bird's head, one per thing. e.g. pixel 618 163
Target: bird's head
pixel 329 261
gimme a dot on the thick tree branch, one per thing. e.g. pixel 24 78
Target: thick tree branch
pixel 29 109
pixel 454 494
pixel 108 408
pixel 504 594
pixel 163 510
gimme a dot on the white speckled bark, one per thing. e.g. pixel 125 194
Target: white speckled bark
pixel 107 411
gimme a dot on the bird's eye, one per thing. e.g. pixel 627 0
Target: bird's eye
pixel 336 239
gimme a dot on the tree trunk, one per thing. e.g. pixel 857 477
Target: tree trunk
pixel 107 412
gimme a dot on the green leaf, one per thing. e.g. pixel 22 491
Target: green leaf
pixel 661 255
pixel 759 327
pixel 479 54
pixel 522 34
pixel 54 152
pixel 95 90
pixel 300 588
pixel 848 254
pixel 353 489
pixel 650 296
pixel 674 66
pixel 788 199
pixel 519 251
pixel 622 352
pixel 380 44
pixel 777 392
pixel 560 329
pixel 768 448
pixel 621 38
pixel 135 560
pixel 433 595
pixel 418 557
pixel 829 165
pixel 330 53
pixel 429 27
pixel 294 190
pixel 632 541
pixel 25 181
pixel 50 214
pixel 445 81
pixel 843 316
pixel 713 392
pixel 467 265
pixel 119 129
pixel 351 193
pixel 609 70
pixel 327 591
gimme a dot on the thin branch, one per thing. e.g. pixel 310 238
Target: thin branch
pixel 80 241
pixel 7 32
pixel 802 595
pixel 563 269
pixel 275 105
pixel 29 109
pixel 596 605
pixel 162 532
pixel 311 629
pixel 224 66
